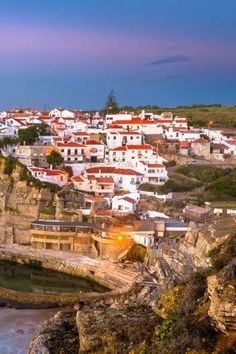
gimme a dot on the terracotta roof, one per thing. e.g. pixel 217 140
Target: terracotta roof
pixel 77 179
pixel 70 144
pixel 200 141
pixel 231 142
pixel 155 165
pixel 107 213
pixel 93 142
pixel 129 200
pixel 134 121
pixel 105 180
pixel 80 134
pixel 112 170
pixel 96 199
pixel 129 133
pixel 133 147
pixel 184 144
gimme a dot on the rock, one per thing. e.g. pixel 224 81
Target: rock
pixel 114 330
pixel 222 308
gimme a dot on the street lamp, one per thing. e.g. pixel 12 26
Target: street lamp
pixel 158 142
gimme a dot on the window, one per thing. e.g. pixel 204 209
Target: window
pixel 69 152
pixel 76 151
pixel 131 138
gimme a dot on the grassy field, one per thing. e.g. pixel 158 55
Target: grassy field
pixel 199 115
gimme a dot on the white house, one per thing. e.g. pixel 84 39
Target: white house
pixel 129 153
pixel 80 137
pixel 111 118
pixel 122 138
pixel 64 113
pixel 94 151
pixel 153 172
pixel 124 178
pixel 100 186
pixel 71 152
pixel 231 144
pixel 52 176
pixel 123 205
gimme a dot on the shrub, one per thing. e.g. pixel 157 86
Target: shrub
pixel 10 165
pixel 203 173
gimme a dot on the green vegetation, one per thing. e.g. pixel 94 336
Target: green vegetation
pixel 50 210
pixel 218 183
pixel 54 158
pixel 180 183
pixel 198 115
pixel 7 141
pixel 10 165
pixel 203 173
pixel 30 135
pixel 148 187
pixel 185 325
pixel 34 263
pixel 223 187
pixel 11 210
pixel 111 105
pixel 136 254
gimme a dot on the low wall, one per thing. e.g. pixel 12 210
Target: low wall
pixel 49 299
pixel 77 269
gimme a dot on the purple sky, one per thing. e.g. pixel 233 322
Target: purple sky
pixel 72 55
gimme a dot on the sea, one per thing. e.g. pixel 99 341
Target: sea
pixel 19 326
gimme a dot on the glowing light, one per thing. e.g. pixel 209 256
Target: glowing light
pixel 120 238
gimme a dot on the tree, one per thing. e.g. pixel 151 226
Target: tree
pixel 54 158
pixel 28 136
pixel 111 103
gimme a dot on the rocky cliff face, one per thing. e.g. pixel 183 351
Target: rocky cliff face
pixel 21 203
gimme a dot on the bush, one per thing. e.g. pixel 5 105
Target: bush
pixel 10 165
pixel 170 163
pixel 225 186
pixel 148 187
pixel 203 173
pixel 180 183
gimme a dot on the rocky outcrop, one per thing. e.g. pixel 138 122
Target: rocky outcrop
pixel 222 308
pixel 59 335
pixel 115 330
pixel 21 203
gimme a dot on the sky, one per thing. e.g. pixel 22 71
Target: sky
pixel 71 53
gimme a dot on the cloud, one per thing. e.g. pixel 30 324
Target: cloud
pixel 170 60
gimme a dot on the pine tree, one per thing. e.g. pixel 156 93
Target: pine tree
pixel 111 103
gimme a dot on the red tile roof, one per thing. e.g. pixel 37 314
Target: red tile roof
pixel 129 200
pixel 184 144
pixel 93 142
pixel 96 199
pixel 107 213
pixel 80 134
pixel 105 180
pixel 155 165
pixel 133 147
pixel 70 144
pixel 113 170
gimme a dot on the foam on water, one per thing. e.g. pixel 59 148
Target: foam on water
pixel 18 327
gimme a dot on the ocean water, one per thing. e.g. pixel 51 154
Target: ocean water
pixel 18 327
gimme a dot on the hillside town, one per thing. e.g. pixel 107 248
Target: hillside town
pixel 131 201
pixel 116 159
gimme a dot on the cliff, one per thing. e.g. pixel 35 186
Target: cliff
pixel 22 201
